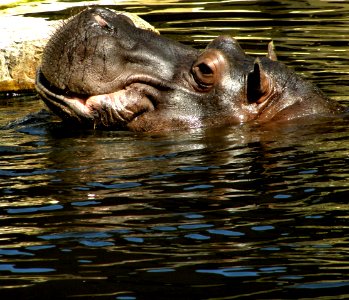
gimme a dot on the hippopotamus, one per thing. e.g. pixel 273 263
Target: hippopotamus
pixel 101 71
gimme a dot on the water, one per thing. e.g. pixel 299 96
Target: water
pixel 242 212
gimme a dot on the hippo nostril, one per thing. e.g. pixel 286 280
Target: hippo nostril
pixel 103 23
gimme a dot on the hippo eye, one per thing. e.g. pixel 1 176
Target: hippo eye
pixel 204 74
pixel 207 68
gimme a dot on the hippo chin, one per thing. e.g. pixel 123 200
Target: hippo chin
pixel 100 71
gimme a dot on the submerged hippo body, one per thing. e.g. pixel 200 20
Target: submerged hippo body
pixel 100 71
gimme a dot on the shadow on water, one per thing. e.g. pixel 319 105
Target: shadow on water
pixel 241 212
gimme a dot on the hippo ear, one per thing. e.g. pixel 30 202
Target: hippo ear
pixel 258 87
pixel 271 52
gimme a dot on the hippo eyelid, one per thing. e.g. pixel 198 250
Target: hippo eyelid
pixel 203 75
pixel 208 69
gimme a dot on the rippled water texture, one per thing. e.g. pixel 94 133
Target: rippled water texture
pixel 241 212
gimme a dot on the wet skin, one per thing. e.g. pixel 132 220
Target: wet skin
pixel 100 71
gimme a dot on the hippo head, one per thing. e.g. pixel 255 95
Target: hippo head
pixel 100 71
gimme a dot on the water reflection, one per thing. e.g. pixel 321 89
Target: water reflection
pixel 257 203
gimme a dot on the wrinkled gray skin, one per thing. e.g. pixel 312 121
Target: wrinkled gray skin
pixel 100 71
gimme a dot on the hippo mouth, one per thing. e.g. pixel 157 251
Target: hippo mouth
pixel 111 110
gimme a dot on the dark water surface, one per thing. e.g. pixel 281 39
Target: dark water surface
pixel 242 212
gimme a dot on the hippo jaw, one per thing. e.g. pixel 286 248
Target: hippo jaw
pixel 111 110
